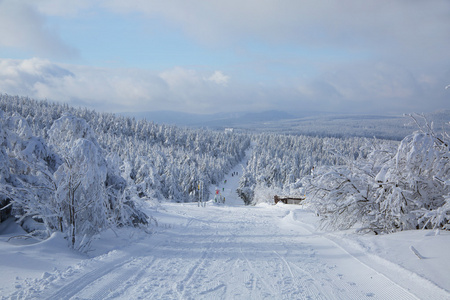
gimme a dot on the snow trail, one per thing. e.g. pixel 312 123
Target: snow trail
pixel 230 251
pixel 224 252
pixel 227 188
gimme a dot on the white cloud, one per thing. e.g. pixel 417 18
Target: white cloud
pixel 375 87
pixel 197 90
pixel 61 8
pixel 112 89
pixel 219 78
pixel 389 28
pixel 401 45
pixel 23 28
pixel 363 88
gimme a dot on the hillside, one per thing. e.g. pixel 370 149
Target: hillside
pixel 393 127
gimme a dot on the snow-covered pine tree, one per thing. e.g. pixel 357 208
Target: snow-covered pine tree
pixel 246 188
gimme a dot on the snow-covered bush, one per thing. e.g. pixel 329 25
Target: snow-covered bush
pixel 68 187
pixel 24 184
pixel 121 206
pixel 81 191
pixel 88 198
pixel 390 190
pixel 341 195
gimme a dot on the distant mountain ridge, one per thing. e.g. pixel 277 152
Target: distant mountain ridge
pixel 394 127
pixel 210 120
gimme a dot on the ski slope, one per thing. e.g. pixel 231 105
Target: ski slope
pixel 222 251
pixel 229 252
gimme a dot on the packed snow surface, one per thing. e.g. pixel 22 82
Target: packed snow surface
pixel 228 251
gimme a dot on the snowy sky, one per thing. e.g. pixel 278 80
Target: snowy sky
pixel 203 56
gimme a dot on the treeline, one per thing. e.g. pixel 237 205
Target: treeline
pixel 62 164
pixel 392 189
pixel 278 162
pixel 380 186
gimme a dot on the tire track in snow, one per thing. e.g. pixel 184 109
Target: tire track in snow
pixel 315 276
pixel 103 279
pixel 265 275
pixel 308 284
pixel 340 283
pixel 123 287
pixel 76 286
pixel 180 286
pixel 115 286
pixel 261 278
pixel 215 289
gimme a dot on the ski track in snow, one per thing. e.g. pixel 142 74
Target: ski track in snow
pixel 232 253
pixel 227 252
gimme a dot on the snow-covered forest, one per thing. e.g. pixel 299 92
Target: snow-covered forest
pixel 279 162
pixel 79 172
pixel 378 186
pixel 391 189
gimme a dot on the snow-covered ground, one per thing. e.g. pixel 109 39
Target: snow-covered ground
pixel 228 251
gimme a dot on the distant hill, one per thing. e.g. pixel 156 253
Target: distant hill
pixel 210 120
pixel 394 127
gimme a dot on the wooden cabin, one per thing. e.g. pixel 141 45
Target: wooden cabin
pixel 288 200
